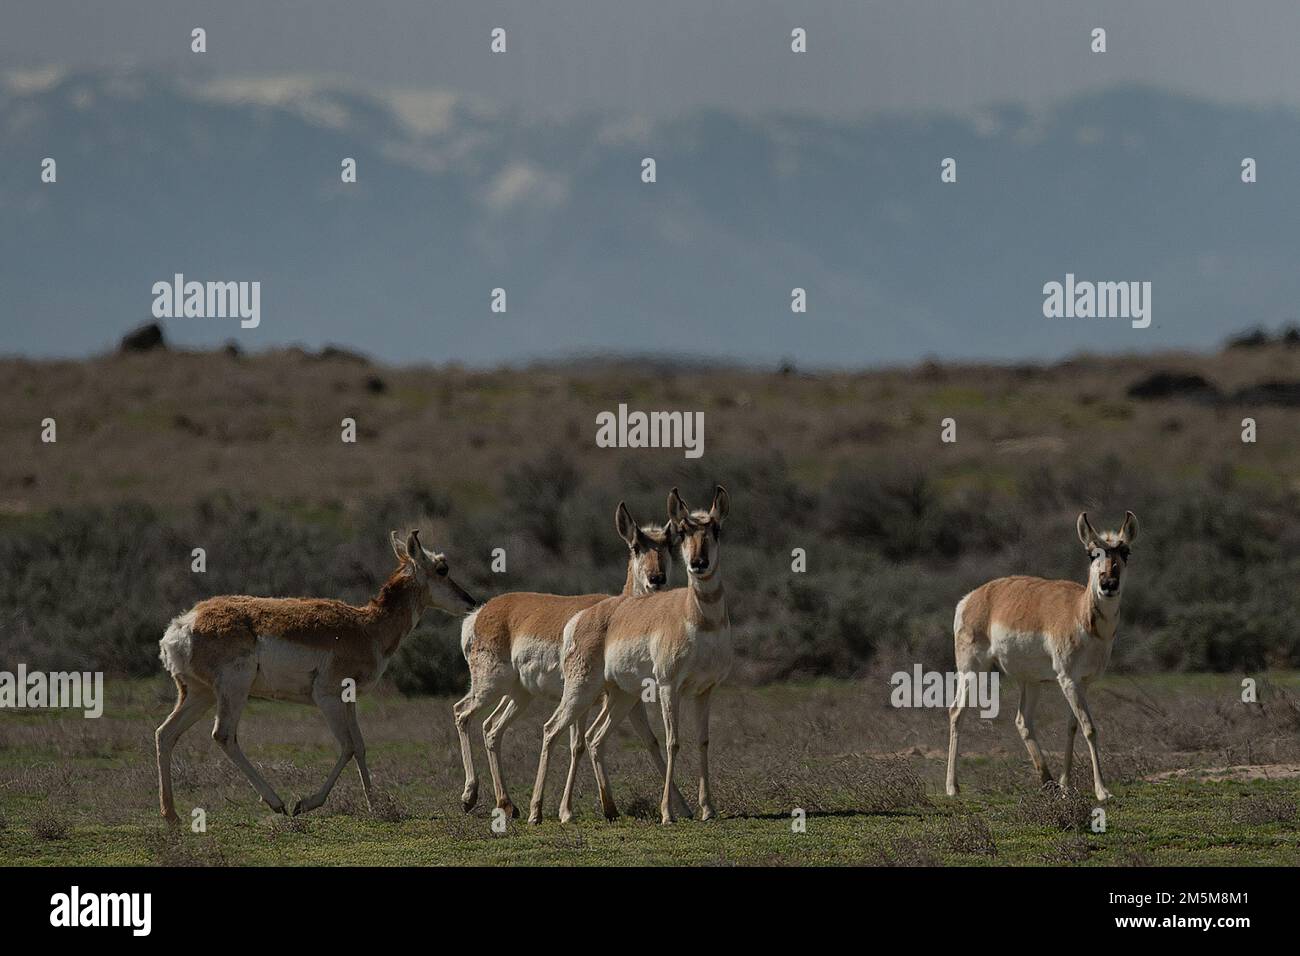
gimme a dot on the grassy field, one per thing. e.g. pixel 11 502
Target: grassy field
pixel 164 452
pixel 1199 777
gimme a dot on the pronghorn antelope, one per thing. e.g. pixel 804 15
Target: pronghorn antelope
pixel 1038 631
pixel 679 639
pixel 227 649
pixel 512 646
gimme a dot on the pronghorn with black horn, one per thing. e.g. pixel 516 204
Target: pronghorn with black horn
pixel 1039 631
pixel 512 646
pixel 227 649
pixel 680 640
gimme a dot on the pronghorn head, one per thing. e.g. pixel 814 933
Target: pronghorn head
pixel 1108 553
pixel 699 531
pixel 650 551
pixel 429 572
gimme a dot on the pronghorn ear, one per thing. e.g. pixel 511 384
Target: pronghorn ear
pixel 626 526
pixel 721 504
pixel 413 549
pixel 399 549
pixel 1086 533
pixel 677 510
pixel 1129 531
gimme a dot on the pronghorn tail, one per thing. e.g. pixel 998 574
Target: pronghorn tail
pixel 467 632
pixel 176 645
pixel 566 643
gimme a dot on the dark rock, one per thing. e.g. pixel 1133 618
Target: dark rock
pixel 144 339
pixel 1174 385
pixel 1251 339
pixel 1285 394
pixel 344 355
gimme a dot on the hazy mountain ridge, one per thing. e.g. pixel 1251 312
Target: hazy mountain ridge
pixel 454 198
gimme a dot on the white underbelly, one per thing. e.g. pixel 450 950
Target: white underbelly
pixel 537 662
pixel 710 660
pixel 629 664
pixel 1023 655
pixel 286 671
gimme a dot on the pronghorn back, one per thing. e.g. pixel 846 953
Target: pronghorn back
pixel 507 617
pixel 1020 603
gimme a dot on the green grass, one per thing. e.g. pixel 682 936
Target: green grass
pixel 869 778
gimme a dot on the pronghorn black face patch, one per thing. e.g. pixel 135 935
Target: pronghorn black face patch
pixel 1113 558
pixel 652 550
pixel 700 536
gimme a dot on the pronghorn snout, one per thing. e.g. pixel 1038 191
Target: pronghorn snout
pixel 657 580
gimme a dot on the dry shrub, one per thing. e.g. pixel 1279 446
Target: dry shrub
pixel 1056 808
pixel 281 825
pixel 174 846
pixel 906 851
pixel 1261 809
pixel 969 834
pixel 48 824
pixel 1068 850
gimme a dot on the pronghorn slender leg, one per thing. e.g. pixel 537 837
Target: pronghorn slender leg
pixel 1071 726
pixel 488 721
pixel 464 711
pixel 335 712
pixel 702 734
pixel 641 724
pixel 359 751
pixel 578 731
pixel 193 702
pixel 617 705
pixel 1074 696
pixel 575 702
pixel 493 729
pixel 954 728
pixel 232 695
pixel 1025 724
pixel 668 703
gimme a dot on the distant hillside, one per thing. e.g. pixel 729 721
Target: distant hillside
pixel 160 452
pixel 229 181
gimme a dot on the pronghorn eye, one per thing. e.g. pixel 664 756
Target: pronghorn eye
pixel 442 570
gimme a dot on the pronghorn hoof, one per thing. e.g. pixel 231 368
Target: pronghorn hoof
pixel 706 813
pixel 1104 795
pixel 534 818
pixel 171 817
pixel 954 790
pixel 566 817
pixel 513 810
pixel 297 809
pixel 468 800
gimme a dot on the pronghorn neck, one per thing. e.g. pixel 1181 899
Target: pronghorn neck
pixel 1100 614
pixel 632 584
pixel 395 611
pixel 706 601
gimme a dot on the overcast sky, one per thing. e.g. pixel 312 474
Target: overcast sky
pixel 662 56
